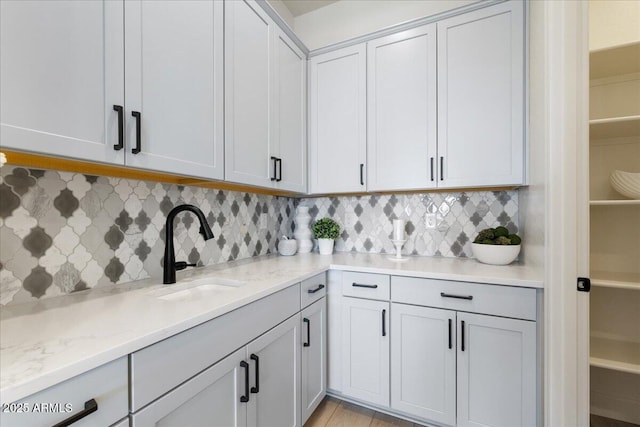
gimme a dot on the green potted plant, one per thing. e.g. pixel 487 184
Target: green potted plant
pixel 326 231
pixel 496 246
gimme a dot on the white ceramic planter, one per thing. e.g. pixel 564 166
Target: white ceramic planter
pixel 495 254
pixel 325 246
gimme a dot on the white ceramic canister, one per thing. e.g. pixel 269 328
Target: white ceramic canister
pixel 303 231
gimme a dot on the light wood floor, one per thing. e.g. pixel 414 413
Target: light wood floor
pixel 336 413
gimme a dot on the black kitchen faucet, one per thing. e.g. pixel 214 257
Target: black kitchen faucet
pixel 170 266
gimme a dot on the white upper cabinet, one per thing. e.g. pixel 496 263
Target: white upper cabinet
pixel 248 92
pixel 265 82
pixel 289 140
pixel 174 86
pixel 61 73
pixel 481 97
pixel 401 104
pixel 337 121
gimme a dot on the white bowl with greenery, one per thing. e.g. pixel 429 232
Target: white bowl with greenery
pixel 496 246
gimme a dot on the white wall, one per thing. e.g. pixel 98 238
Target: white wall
pixel 283 12
pixel 613 22
pixel 347 19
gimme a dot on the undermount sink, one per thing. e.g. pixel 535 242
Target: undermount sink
pixel 198 288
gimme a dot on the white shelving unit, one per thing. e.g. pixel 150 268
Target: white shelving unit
pixel 614 232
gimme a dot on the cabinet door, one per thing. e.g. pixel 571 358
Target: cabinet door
pixel 61 73
pixel 496 371
pixel 314 356
pixel 248 93
pixel 401 110
pixel 275 376
pixel 481 97
pixel 423 362
pixel 174 79
pixel 365 350
pixel 289 138
pixel 214 396
pixel 337 121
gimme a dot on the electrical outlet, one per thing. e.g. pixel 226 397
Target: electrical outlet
pixel 431 221
pixel 263 221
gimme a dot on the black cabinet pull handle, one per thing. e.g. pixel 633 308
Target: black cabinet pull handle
pixel 431 162
pixel 308 322
pixel 450 335
pixel 90 406
pixel 361 173
pixel 245 398
pixel 273 172
pixel 384 323
pixel 279 163
pixel 462 338
pixel 361 285
pixel 138 146
pixel 256 389
pixel 441 168
pixel 313 291
pixel 120 145
pixel 467 297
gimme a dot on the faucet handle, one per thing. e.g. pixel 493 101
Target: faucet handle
pixel 181 265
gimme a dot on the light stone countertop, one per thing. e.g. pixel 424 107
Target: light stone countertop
pixel 46 342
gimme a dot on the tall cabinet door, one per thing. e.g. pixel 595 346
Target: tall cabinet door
pixel 401 110
pixel 423 362
pixel 289 140
pixel 61 73
pixel 481 97
pixel 365 350
pixel 174 86
pixel 496 371
pixel 337 121
pixel 314 356
pixel 214 396
pixel 248 93
pixel 275 376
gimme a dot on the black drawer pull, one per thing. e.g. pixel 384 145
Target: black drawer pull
pixel 245 398
pixel 361 285
pixel 313 291
pixel 431 161
pixel 274 175
pixel 308 322
pixel 120 144
pixel 361 173
pixel 450 335
pixel 90 406
pixel 462 338
pixel 256 389
pixel 138 146
pixel 467 297
pixel 441 168
pixel 384 323
pixel 279 163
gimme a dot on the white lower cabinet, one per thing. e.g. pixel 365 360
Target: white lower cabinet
pixel 258 385
pixel 365 350
pixel 423 362
pixel 314 356
pixel 496 371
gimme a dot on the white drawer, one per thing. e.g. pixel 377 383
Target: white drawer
pixel 312 289
pixel 507 301
pixel 168 363
pixel 365 285
pixel 108 385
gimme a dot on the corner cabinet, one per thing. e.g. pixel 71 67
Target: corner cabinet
pixel 64 68
pixel 265 112
pixel 338 121
pixel 481 97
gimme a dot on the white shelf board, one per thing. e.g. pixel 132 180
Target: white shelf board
pixel 617 280
pixel 614 202
pixel 614 127
pixel 615 61
pixel 616 355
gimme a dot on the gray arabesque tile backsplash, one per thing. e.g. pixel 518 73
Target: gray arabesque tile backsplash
pixel 62 232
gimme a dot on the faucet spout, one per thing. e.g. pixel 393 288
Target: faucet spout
pixel 169 264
